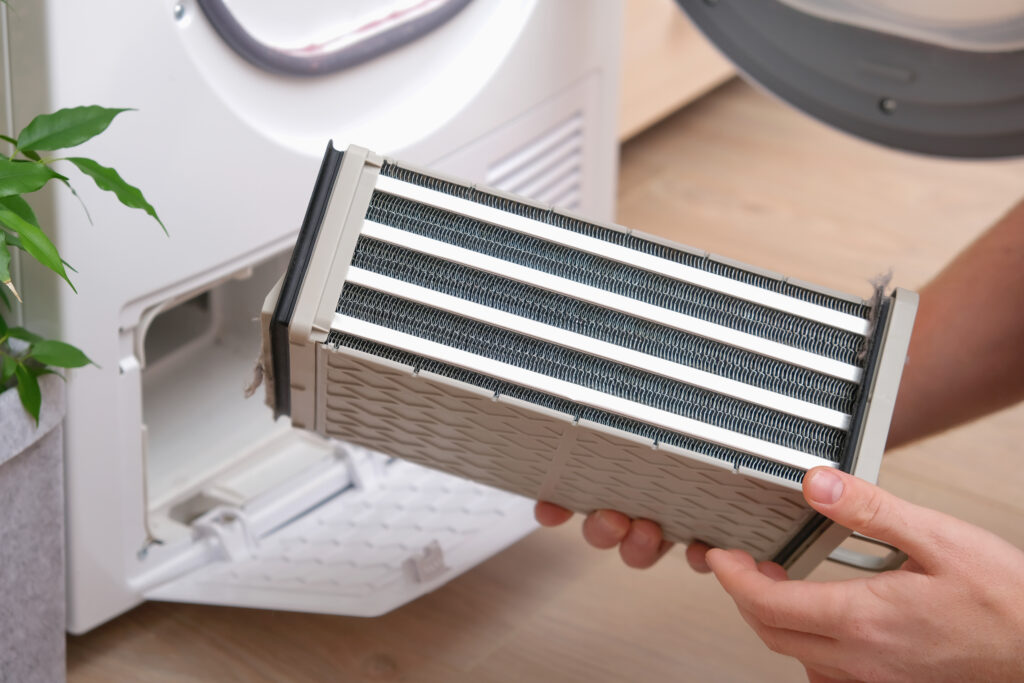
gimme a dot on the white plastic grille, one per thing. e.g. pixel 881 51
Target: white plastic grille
pixel 548 169
pixel 352 554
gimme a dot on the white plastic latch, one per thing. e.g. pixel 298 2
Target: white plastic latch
pixel 230 527
pixel 426 565
pixel 366 468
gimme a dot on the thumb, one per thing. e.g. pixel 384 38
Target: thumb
pixel 872 511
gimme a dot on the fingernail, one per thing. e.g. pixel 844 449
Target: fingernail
pixel 825 487
pixel 641 537
pixel 715 556
pixel 603 519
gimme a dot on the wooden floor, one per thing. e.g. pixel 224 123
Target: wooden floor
pixel 739 174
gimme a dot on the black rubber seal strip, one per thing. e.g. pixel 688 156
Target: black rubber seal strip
pixel 296 273
pixel 311 61
pixel 846 462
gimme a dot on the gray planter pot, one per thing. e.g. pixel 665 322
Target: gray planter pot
pixel 32 538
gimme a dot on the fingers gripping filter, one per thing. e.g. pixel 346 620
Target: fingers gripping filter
pixel 589 365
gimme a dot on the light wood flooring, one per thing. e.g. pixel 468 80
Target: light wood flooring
pixel 737 173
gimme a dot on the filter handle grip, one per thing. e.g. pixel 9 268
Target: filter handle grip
pixel 867 561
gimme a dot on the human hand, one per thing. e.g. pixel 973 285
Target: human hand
pixel 639 541
pixel 953 612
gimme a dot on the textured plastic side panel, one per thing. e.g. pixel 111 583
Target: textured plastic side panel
pixel 465 431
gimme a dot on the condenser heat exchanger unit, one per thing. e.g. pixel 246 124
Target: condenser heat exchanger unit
pixel 526 348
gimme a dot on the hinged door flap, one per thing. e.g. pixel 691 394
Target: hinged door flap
pixel 400 531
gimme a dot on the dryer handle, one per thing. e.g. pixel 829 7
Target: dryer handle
pixel 341 52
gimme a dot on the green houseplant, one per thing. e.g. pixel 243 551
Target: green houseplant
pixel 25 356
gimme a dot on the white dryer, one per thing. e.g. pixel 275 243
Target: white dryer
pixel 178 487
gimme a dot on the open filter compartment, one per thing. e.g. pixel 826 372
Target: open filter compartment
pixel 532 350
pixel 245 510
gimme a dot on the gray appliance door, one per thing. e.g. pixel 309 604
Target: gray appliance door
pixel 901 92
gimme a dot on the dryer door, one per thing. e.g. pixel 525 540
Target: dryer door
pixel 287 69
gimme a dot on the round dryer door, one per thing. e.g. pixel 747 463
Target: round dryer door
pixel 385 73
pixel 931 77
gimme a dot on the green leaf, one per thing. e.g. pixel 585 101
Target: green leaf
pixel 3 327
pixel 5 269
pixel 35 242
pixel 14 241
pixel 3 297
pixel 19 206
pixel 21 177
pixel 7 365
pixel 23 334
pixel 40 371
pixel 58 353
pixel 108 179
pixel 85 208
pixel 31 155
pixel 5 259
pixel 65 128
pixel 28 391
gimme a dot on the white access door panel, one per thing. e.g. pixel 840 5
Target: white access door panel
pixel 396 532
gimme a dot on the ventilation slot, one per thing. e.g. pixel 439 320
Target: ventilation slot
pixel 548 169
